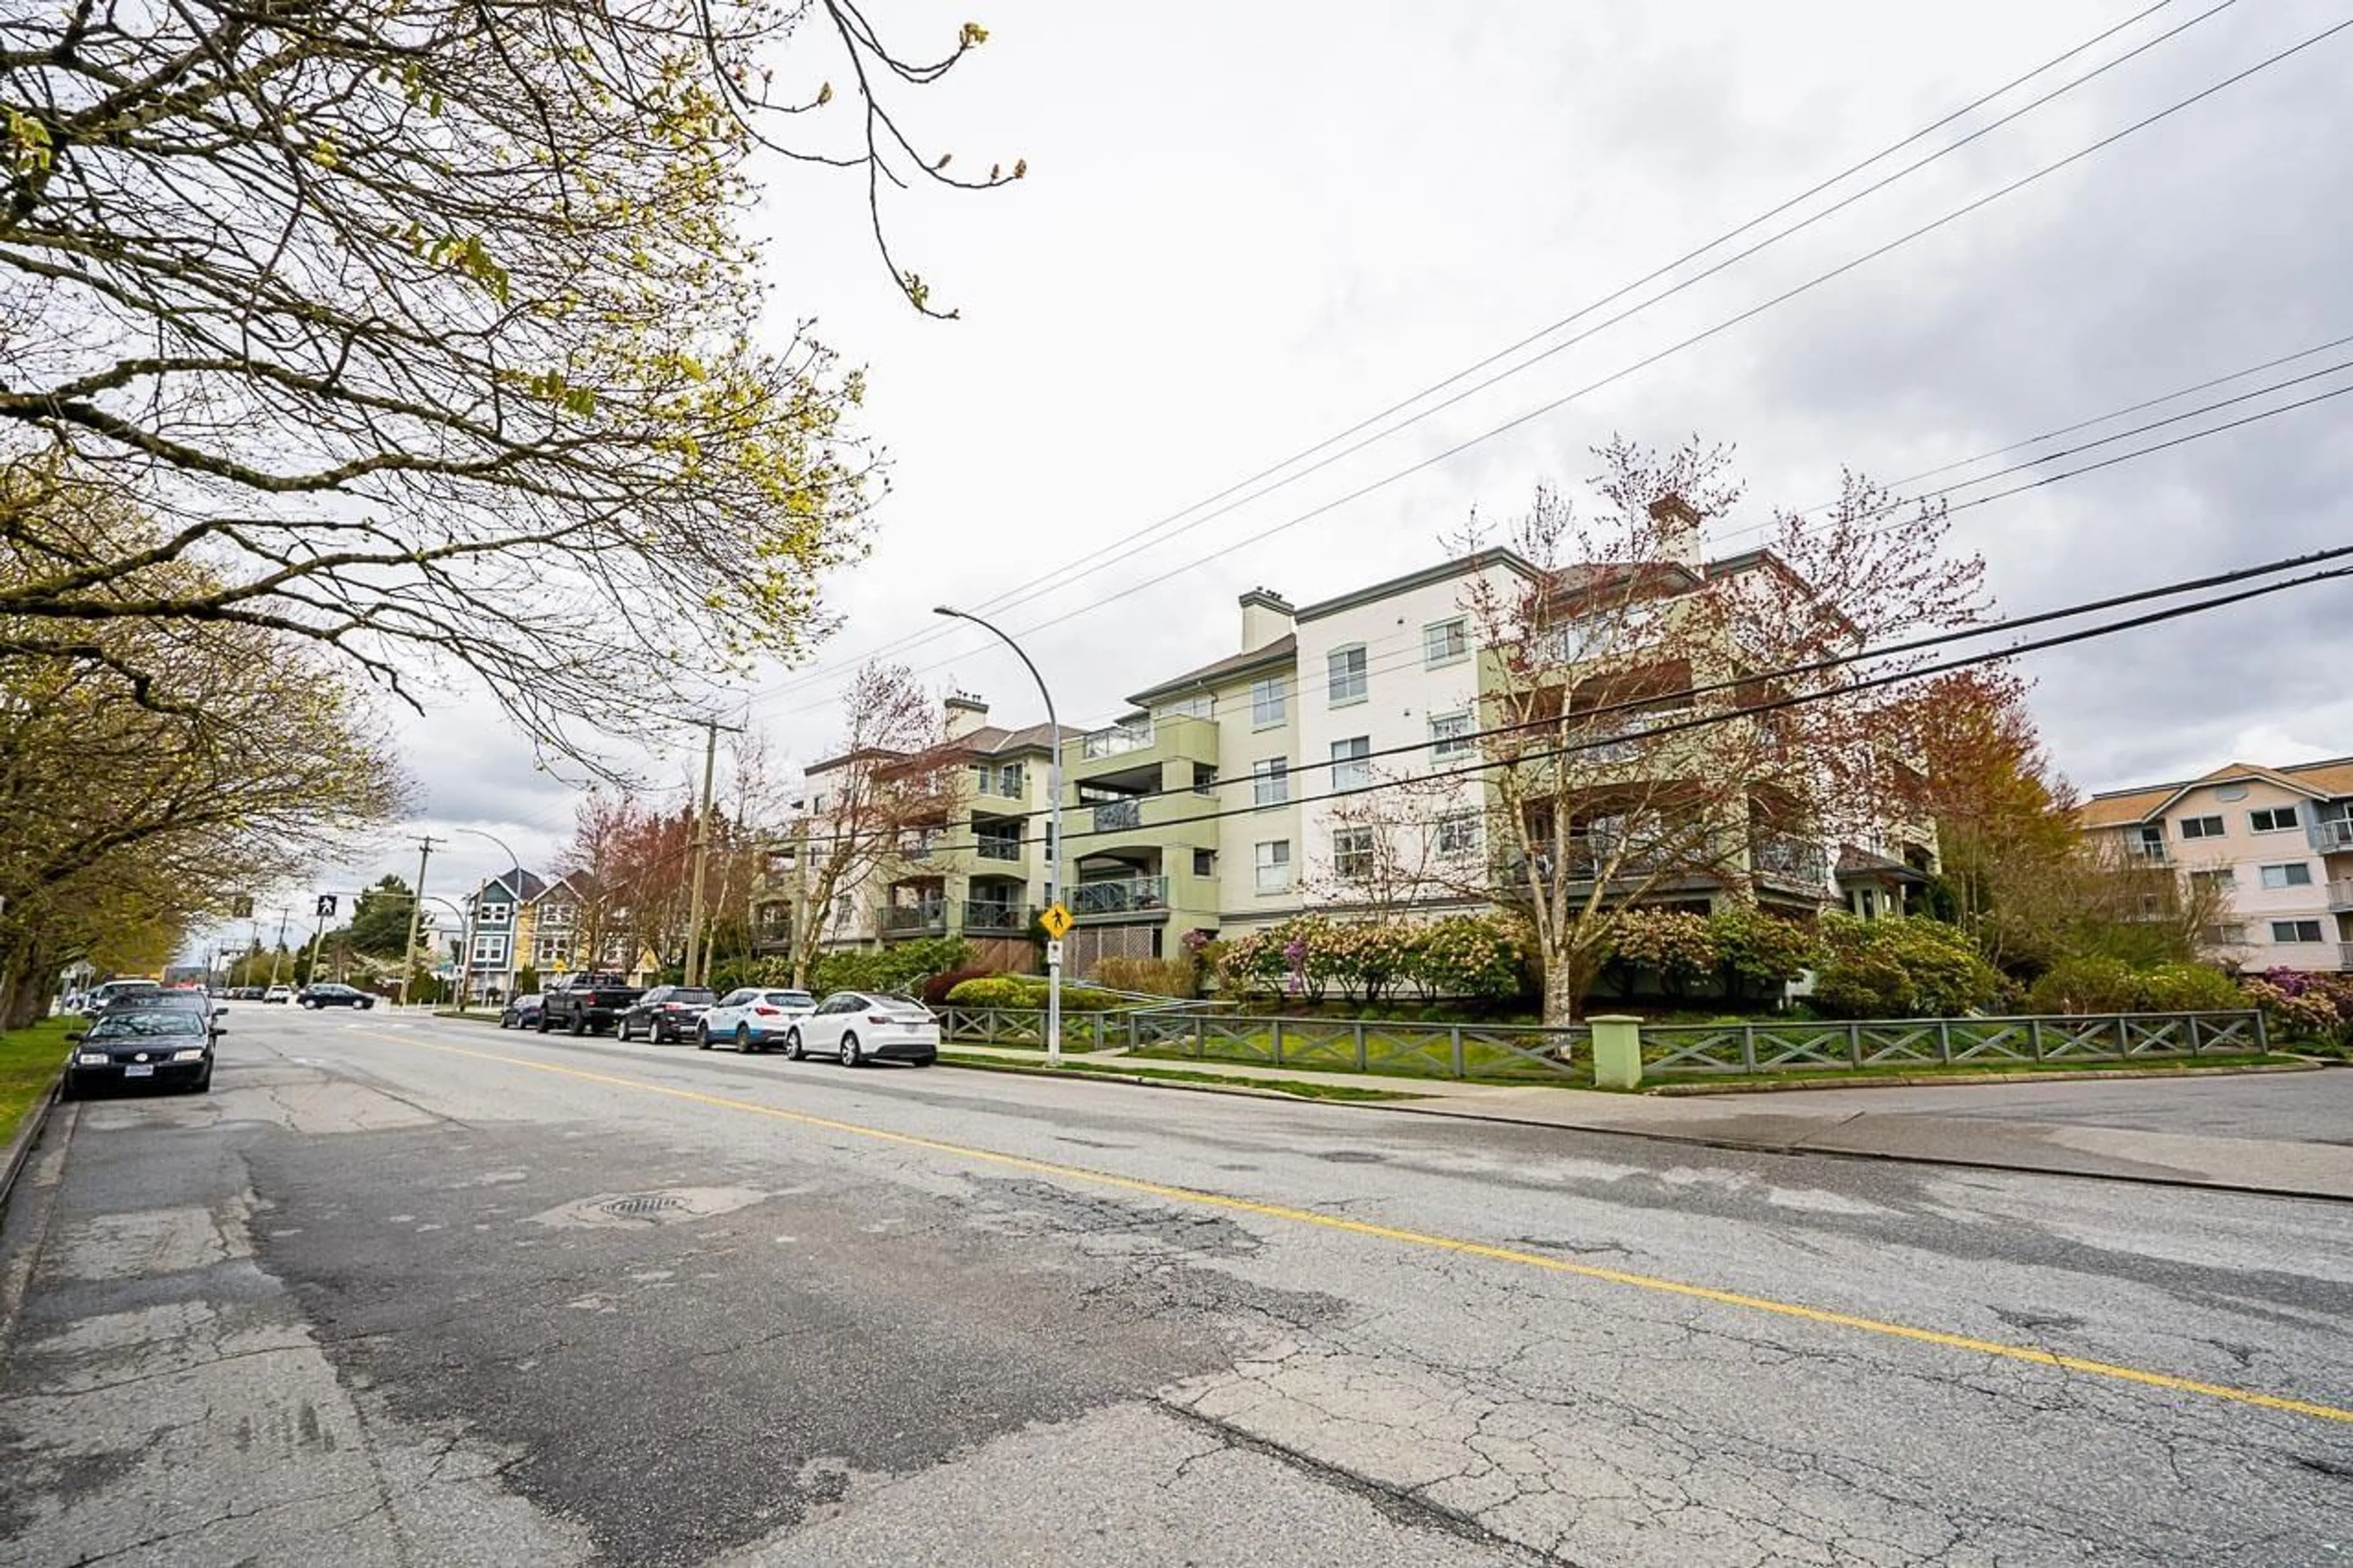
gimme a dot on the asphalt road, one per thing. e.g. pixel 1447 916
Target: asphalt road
pixel 408 1292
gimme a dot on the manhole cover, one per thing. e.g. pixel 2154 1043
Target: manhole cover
pixel 655 1203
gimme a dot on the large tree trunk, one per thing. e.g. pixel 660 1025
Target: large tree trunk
pixel 1568 973
pixel 26 986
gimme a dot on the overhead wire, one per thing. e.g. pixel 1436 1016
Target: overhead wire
pixel 1060 576
pixel 1682 344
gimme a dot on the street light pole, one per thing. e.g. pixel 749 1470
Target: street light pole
pixel 1053 831
pixel 415 914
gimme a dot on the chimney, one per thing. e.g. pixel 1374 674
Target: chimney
pixel 966 713
pixel 1679 530
pixel 1265 616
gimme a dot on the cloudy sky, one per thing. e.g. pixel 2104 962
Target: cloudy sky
pixel 1247 227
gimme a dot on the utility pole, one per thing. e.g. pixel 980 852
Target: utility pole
pixel 279 951
pixel 415 912
pixel 697 950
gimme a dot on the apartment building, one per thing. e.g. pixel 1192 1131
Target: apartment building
pixel 2275 842
pixel 1209 805
pixel 497 919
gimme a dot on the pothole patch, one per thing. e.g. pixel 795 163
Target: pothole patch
pixel 669 1206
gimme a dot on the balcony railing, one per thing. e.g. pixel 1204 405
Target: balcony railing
pixel 917 845
pixel 1128 895
pixel 988 915
pixel 998 848
pixel 1118 816
pixel 2146 851
pixel 1791 861
pixel 1116 740
pixel 903 919
pixel 2340 897
pixel 2330 837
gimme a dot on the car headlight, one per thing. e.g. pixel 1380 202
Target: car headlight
pixel 188 1056
pixel 95 1059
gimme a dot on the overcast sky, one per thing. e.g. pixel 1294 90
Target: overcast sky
pixel 1246 227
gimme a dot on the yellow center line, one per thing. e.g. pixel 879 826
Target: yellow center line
pixel 1425 1239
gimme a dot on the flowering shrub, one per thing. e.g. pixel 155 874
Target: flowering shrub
pixel 1308 956
pixel 1675 945
pixel 1901 968
pixel 2304 1006
pixel 1757 953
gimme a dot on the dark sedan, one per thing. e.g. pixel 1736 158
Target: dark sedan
pixel 522 1012
pixel 666 1015
pixel 333 996
pixel 168 1047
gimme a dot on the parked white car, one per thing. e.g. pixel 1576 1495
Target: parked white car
pixel 856 1028
pixel 753 1018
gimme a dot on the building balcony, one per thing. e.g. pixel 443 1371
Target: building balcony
pixel 1168 823
pixel 2330 837
pixel 922 844
pixel 1789 862
pixel 2142 852
pixel 1140 751
pixel 929 918
pixel 2340 897
pixel 996 849
pixel 989 917
pixel 1125 897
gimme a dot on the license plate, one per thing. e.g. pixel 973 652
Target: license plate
pixel 140 1070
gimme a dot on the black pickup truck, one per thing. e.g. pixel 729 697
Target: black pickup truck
pixel 586 1003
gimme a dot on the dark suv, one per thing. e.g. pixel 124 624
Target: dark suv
pixel 665 1015
pixel 333 996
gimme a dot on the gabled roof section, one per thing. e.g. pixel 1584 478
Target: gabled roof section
pixel 2123 808
pixel 516 884
pixel 1461 566
pixel 1284 649
pixel 996 741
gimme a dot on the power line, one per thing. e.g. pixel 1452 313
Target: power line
pixel 1749 711
pixel 1060 576
pixel 1515 423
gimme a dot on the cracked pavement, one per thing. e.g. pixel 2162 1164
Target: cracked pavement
pixel 374 1289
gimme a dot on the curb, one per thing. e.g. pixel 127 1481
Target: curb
pixel 29 1132
pixel 1933 1080
pixel 1418 1105
pixel 1238 1087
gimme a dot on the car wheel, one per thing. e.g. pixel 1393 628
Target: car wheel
pixel 578 1025
pixel 543 1023
pixel 702 1038
pixel 205 1084
pixel 659 1033
pixel 505 1021
pixel 851 1055
pixel 744 1039
pixel 793 1050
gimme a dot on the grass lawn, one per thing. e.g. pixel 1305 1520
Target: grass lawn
pixel 29 1058
pixel 1303 1089
pixel 1483 1061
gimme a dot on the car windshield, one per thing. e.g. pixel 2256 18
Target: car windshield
pixel 125 1026
pixel 683 995
pixel 157 1001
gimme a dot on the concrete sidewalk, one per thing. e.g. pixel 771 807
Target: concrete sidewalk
pixel 1849 1122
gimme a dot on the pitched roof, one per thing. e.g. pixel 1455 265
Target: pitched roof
pixel 1284 649
pixel 2123 808
pixel 1858 865
pixel 517 883
pixel 996 741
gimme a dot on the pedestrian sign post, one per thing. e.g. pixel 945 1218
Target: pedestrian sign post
pixel 1056 921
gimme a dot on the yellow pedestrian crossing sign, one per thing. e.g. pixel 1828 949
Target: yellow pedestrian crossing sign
pixel 1056 921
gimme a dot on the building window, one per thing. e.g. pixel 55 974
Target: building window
pixel 1346 669
pixel 1205 862
pixel 1450 734
pixel 1271 781
pixel 841 910
pixel 2215 881
pixel 2202 828
pixel 2295 874
pixel 1274 867
pixel 2271 819
pixel 1443 642
pixel 2148 840
pixel 1203 706
pixel 552 951
pixel 2295 930
pixel 2230 934
pixel 1458 834
pixel 492 950
pixel 494 914
pixel 1351 854
pixel 1268 702
pixel 1351 765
